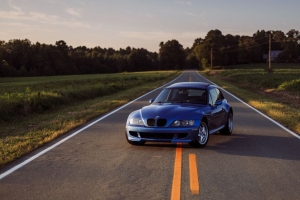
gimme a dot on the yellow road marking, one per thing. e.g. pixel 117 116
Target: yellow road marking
pixel 194 183
pixel 175 195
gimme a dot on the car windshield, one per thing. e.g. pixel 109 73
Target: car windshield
pixel 182 95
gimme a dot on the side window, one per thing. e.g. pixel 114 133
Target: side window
pixel 173 94
pixel 219 94
pixel 163 96
pixel 212 97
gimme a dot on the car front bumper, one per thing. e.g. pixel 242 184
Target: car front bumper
pixel 155 134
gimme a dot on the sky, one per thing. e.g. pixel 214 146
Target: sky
pixel 141 23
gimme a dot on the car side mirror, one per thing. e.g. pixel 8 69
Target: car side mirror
pixel 218 102
pixel 151 101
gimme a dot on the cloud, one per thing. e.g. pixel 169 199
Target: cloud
pixel 26 27
pixel 41 18
pixel 16 15
pixel 187 3
pixel 73 12
pixel 11 4
pixel 15 24
pixel 31 16
pixel 190 14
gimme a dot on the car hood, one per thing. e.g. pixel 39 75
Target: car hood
pixel 168 111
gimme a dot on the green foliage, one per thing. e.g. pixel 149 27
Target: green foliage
pixel 291 85
pixel 204 63
pixel 138 60
pixel 22 58
pixel 171 55
pixel 21 97
pixel 230 50
pixel 22 134
pixel 284 77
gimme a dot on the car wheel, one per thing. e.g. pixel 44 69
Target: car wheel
pixel 227 130
pixel 202 137
pixel 134 142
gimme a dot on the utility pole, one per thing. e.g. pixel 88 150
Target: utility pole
pixel 270 52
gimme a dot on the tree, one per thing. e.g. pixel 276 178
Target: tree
pixel 248 50
pixel 204 63
pixel 22 71
pixel 138 60
pixel 191 60
pixel 293 35
pixel 171 55
pixel 7 70
pixel 18 53
pixel 197 41
pixel 230 50
pixel 22 58
pixel 291 46
pixel 62 47
pixel 213 43
pixel 278 37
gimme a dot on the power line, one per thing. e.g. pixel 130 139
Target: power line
pixel 247 47
pixel 244 47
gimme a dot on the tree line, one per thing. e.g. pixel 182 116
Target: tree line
pixel 23 58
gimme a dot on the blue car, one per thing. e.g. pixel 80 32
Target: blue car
pixel 185 112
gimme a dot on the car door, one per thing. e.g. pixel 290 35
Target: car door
pixel 217 110
pixel 221 108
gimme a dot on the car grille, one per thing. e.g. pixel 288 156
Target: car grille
pixel 133 133
pixel 181 135
pixel 159 123
pixel 157 135
pixel 148 135
pixel 151 122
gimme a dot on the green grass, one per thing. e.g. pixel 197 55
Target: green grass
pixel 25 132
pixel 280 79
pixel 21 97
pixel 276 94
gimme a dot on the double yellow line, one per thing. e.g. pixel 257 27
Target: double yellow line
pixel 194 183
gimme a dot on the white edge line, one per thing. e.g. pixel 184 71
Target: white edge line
pixel 264 115
pixel 75 133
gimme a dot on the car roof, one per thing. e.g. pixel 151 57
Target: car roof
pixel 196 85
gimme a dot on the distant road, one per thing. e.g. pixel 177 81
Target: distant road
pixel 259 160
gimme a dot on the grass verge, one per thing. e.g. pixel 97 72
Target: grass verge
pixel 20 137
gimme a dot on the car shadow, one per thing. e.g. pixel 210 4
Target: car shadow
pixel 287 148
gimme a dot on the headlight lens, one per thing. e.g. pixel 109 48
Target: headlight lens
pixel 136 121
pixel 183 123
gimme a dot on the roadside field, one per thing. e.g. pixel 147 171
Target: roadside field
pixel 276 94
pixel 35 110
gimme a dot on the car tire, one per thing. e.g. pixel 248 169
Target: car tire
pixel 227 130
pixel 202 137
pixel 134 142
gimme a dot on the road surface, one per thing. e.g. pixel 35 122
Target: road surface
pixel 260 160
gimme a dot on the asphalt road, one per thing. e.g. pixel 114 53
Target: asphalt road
pixel 260 160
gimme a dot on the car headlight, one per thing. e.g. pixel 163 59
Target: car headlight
pixel 183 123
pixel 136 121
